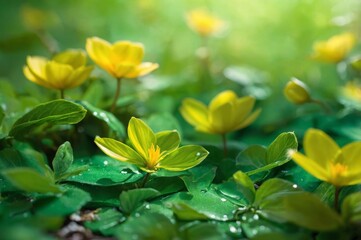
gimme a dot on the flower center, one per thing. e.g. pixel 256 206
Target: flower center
pixel 338 170
pixel 153 156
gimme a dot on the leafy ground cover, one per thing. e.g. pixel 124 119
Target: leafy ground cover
pixel 117 140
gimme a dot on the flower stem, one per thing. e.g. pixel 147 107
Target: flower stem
pixel 326 108
pixel 117 92
pixel 145 180
pixel 337 195
pixel 225 149
pixel 62 94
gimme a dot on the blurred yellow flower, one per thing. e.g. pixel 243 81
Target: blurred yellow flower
pixel 204 22
pixel 325 160
pixel 225 113
pixel 296 92
pixel 65 70
pixel 352 91
pixel 38 19
pixel 334 49
pixel 123 59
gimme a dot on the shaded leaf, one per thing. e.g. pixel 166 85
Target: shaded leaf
pixel 132 199
pixel 245 185
pixel 62 160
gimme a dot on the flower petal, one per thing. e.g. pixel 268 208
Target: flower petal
pixel 352 159
pixel 310 165
pixel 119 51
pixel 141 136
pixel 142 69
pixel 79 76
pixel 122 69
pixel 58 74
pixel 37 66
pixel 249 120
pixel 320 147
pixel 74 58
pixel 195 113
pixel 99 51
pixel 119 151
pixel 242 108
pixel 221 99
pixel 221 119
pixel 183 158
pixel 168 140
pixel 34 78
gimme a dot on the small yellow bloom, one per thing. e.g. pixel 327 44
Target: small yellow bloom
pixel 65 70
pixel 123 59
pixel 328 162
pixel 204 23
pixel 225 113
pixel 296 92
pixel 352 91
pixel 334 49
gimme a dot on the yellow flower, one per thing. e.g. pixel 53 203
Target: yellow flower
pixel 204 23
pixel 296 92
pixel 38 19
pixel 151 151
pixel 65 70
pixel 225 113
pixel 352 91
pixel 334 49
pixel 328 162
pixel 123 59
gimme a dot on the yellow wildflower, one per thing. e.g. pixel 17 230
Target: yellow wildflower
pixel 225 113
pixel 325 160
pixel 123 59
pixel 334 49
pixel 352 91
pixel 204 23
pixel 296 92
pixel 65 70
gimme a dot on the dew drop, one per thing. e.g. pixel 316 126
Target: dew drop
pixel 198 154
pixel 233 229
pixel 254 231
pixel 124 172
pixel 147 206
pixel 294 186
pixel 223 200
pixel 106 162
pixel 255 217
pixel 225 217
pixel 137 215
pixel 244 218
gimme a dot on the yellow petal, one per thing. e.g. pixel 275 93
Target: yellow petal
pixel 242 108
pixel 320 147
pixel 119 151
pixel 195 113
pixel 57 74
pixel 79 76
pixel 129 52
pixel 221 119
pixel 249 120
pixel 119 51
pixel 37 66
pixel 141 136
pixel 122 69
pixel 222 98
pixel 142 69
pixel 74 58
pixel 29 75
pixel 352 159
pixel 310 165
pixel 99 51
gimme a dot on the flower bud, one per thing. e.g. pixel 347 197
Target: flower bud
pixel 296 92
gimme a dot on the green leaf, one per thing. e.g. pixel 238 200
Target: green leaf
pixel 63 204
pixel 2 115
pixel 186 213
pixel 106 221
pixel 199 178
pixel 277 151
pixel 103 171
pixel 62 160
pixel 162 121
pixel 351 208
pixel 29 180
pixel 93 94
pixel 148 226
pixel 108 118
pixel 183 158
pixel 202 231
pixel 55 112
pixel 307 210
pixel 132 199
pixel 245 185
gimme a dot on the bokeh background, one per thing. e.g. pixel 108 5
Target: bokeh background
pixel 264 44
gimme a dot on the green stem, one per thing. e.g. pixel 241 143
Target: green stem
pixel 326 108
pixel 145 180
pixel 48 41
pixel 337 196
pixel 224 141
pixel 62 94
pixel 117 93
